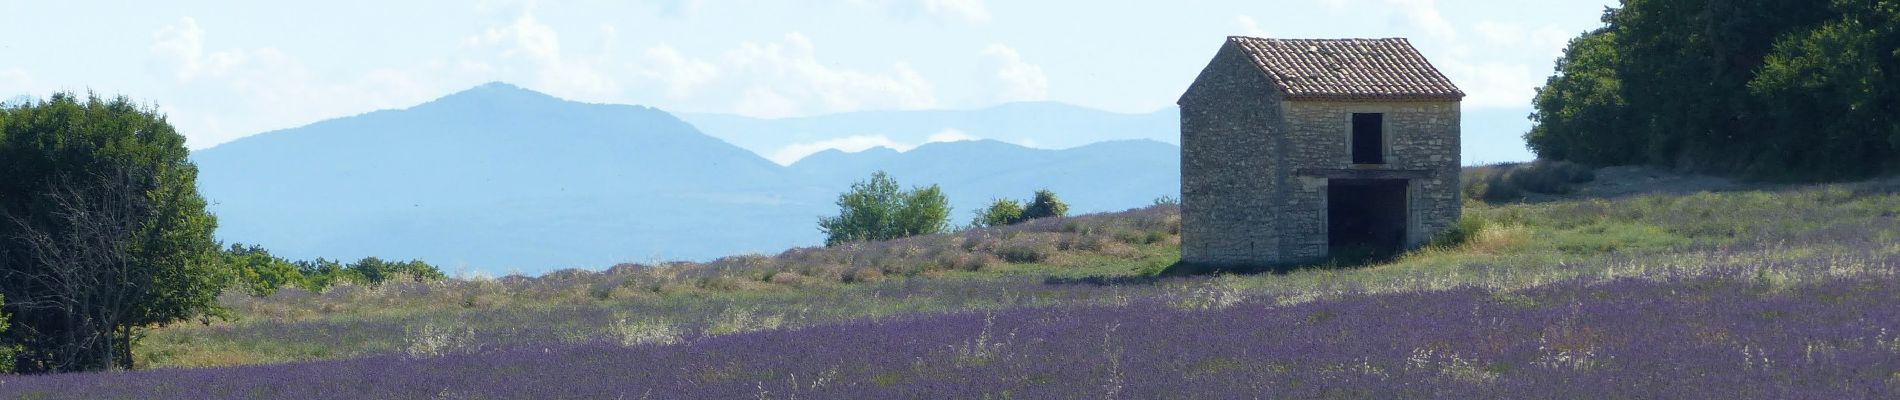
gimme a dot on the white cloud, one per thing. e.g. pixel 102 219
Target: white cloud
pixel 1551 39
pixel 972 11
pixel 16 82
pixel 680 8
pixel 763 102
pixel 240 91
pixel 1500 33
pixel 680 74
pixel 856 143
pixel 539 45
pixel 183 45
pixel 790 69
pixel 950 135
pixel 1249 26
pixel 1021 81
pixel 1493 84
pixel 1334 5
pixel 1547 40
pixel 851 144
pixel 1424 16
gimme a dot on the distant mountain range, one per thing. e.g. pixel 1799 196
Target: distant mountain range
pixel 1491 135
pixel 501 179
pixel 1033 124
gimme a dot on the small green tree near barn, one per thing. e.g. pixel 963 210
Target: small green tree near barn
pixel 1045 205
pixel 1009 211
pixel 876 209
pixel 1000 212
pixel 102 231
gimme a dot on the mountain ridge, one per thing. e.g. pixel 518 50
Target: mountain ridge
pixel 501 178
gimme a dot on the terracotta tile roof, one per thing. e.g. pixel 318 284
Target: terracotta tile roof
pixel 1348 69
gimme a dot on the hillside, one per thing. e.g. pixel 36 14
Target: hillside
pixel 1751 292
pixel 501 179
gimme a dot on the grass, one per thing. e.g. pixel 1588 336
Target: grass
pixel 1087 260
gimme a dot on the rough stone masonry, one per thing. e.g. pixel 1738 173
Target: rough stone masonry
pixel 1292 149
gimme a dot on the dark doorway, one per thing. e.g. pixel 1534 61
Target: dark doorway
pixel 1365 218
pixel 1368 138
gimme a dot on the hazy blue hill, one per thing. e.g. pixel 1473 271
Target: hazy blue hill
pixel 1490 135
pixel 499 178
pixel 1045 124
pixel 1105 176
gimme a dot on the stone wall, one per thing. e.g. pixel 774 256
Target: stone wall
pixel 1227 168
pixel 1241 201
pixel 1419 136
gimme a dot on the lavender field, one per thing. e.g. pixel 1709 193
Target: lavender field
pixel 1773 293
pixel 1726 336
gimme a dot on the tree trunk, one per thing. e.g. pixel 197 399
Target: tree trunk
pixel 125 347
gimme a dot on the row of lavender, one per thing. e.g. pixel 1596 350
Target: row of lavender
pixel 1784 237
pixel 1726 334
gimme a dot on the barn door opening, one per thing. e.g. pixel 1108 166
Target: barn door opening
pixel 1365 218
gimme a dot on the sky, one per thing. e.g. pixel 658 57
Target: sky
pixel 222 70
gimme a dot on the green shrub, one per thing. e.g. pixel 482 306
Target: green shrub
pixel 875 210
pixel 1000 212
pixel 1010 212
pixel 258 272
pixel 1045 205
pixel 375 270
pixel 1515 181
pixel 1459 233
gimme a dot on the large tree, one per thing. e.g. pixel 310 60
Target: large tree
pixel 102 231
pixel 1771 89
pixel 1834 90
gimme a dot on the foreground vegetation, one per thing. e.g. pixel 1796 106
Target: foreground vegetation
pixel 1770 89
pixel 1765 293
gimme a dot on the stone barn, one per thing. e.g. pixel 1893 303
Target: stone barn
pixel 1294 150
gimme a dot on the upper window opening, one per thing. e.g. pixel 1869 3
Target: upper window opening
pixel 1368 138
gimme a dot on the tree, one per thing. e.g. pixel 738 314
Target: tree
pixel 374 270
pixel 876 210
pixel 102 231
pixel 1768 89
pixel 1000 212
pixel 1045 205
pixel 322 273
pixel 259 272
pixel 925 211
pixel 1581 115
pixel 1835 85
pixel 6 349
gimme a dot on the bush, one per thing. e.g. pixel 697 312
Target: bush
pixel 258 272
pixel 1000 212
pixel 1028 248
pixel 1513 182
pixel 875 210
pixel 375 270
pixel 1046 205
pixel 1010 212
pixel 1459 233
